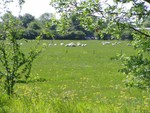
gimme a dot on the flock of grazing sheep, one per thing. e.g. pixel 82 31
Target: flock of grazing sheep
pixel 114 43
pixel 72 44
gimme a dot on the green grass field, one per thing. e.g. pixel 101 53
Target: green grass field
pixel 78 80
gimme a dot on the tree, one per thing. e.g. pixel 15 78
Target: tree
pixel 15 64
pixel 32 31
pixel 35 25
pixel 26 19
pixel 118 19
pixel 46 17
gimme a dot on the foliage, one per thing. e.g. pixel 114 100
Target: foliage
pixel 30 33
pixel 127 35
pixel 26 19
pixel 60 28
pixel 45 17
pixel 34 25
pixel 74 35
pixel 137 70
pixel 147 22
pixel 15 63
pixel 137 67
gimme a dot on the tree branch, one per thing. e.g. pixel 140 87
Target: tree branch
pixel 148 1
pixel 139 31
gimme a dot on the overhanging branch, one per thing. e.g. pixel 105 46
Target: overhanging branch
pixel 148 1
pixel 139 31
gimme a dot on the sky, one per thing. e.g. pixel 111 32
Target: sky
pixel 33 7
pixel 37 7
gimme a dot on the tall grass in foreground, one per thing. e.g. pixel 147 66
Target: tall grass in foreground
pixel 76 80
pixel 34 102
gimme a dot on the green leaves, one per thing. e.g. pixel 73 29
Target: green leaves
pixel 16 64
pixel 137 69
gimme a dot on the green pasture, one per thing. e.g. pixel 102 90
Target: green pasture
pixel 79 80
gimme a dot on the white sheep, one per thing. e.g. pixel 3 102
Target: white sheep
pixel 61 44
pixel 118 42
pixel 113 44
pixel 129 44
pixel 78 44
pixel 50 44
pixel 83 45
pixel 71 45
pixel 104 43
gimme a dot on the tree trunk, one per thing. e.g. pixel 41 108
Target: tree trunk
pixel 9 85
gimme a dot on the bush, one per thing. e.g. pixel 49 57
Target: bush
pixel 30 34
pixel 75 35
pixel 127 35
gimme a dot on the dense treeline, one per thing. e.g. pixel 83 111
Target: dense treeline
pixel 32 27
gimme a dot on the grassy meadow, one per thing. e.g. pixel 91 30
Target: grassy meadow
pixel 76 80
